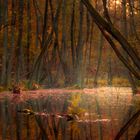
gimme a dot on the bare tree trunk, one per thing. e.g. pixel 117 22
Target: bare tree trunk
pixel 45 37
pixel 72 34
pixel 56 53
pixel 37 31
pixel 19 41
pixel 5 45
pixel 35 75
pixel 12 49
pixel 1 12
pixel 105 26
pixel 89 31
pixel 79 49
pixel 100 47
pixel 120 56
pixel 28 36
pixel 38 19
pixel 64 52
pixel 109 67
pixel 90 49
pixel 124 31
pixel 45 24
pixel 107 16
pixel 132 19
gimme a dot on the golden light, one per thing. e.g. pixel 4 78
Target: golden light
pixel 118 2
pixel 114 3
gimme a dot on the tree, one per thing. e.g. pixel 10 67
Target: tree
pixel 5 45
pixel 109 28
pixel 100 48
pixel 28 36
pixel 125 33
pixel 19 52
pixel 12 48
pixel 79 49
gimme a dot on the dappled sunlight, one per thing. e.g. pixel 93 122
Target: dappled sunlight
pixel 114 3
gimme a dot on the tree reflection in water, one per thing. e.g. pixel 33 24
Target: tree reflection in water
pixel 68 115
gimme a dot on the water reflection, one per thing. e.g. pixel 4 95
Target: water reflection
pixel 88 115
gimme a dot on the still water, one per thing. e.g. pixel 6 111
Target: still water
pixel 59 114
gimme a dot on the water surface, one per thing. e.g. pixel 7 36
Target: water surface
pixel 101 113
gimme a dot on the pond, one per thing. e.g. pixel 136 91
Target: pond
pixel 60 114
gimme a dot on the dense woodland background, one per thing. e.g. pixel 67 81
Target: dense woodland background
pixel 60 43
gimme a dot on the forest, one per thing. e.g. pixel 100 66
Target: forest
pixel 69 43
pixel 56 50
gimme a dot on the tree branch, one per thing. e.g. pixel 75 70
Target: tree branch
pixel 101 22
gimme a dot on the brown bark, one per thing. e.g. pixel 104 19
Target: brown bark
pixel 114 32
pixel 127 65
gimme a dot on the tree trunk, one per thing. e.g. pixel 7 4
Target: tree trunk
pixel 109 67
pixel 106 15
pixel 90 48
pixel 114 32
pixel 132 19
pixel 45 24
pixel 79 49
pixel 105 26
pixel 119 55
pixel 5 45
pixel 72 34
pixel 100 47
pixel 1 13
pixel 35 71
pixel 20 64
pixel 28 37
pixel 12 49
pixel 125 33
pixel 38 24
pixel 64 48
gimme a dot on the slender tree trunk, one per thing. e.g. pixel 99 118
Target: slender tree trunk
pixel 90 48
pixel 88 24
pixel 35 71
pixel 100 47
pixel 119 55
pixel 28 36
pixel 72 34
pixel 109 67
pixel 132 19
pixel 45 24
pixel 87 51
pixel 12 49
pixel 125 33
pixel 79 49
pixel 38 19
pixel 0 13
pixel 105 26
pixel 37 31
pixel 102 23
pixel 64 52
pixel 0 35
pixel 5 45
pixel 19 41
pixel 43 42
pixel 107 16
pixel 56 42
